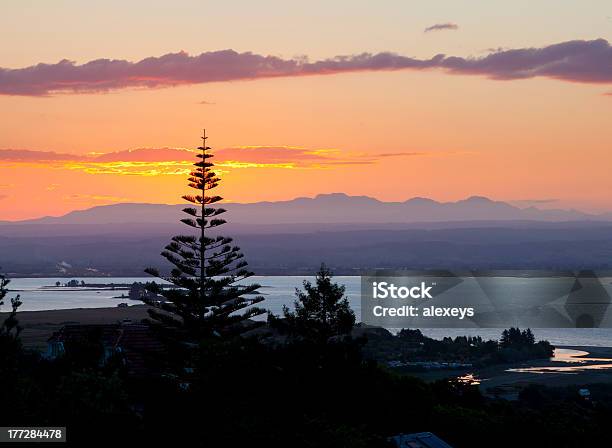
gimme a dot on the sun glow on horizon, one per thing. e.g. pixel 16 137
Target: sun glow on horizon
pixel 394 121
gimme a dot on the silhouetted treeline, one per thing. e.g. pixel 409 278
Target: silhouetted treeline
pixel 412 345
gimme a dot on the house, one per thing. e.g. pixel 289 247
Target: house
pixel 132 344
pixel 138 291
pixel 418 440
pixel 584 393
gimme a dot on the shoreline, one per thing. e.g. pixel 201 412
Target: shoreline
pixel 505 381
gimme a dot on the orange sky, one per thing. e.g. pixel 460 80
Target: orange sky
pixel 387 134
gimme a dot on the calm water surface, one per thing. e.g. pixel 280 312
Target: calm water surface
pixel 41 294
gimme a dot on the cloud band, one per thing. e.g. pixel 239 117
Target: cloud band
pixel 575 61
pixel 160 161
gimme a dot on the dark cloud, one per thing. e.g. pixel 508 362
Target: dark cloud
pixel 441 27
pixel 574 61
pixel 168 70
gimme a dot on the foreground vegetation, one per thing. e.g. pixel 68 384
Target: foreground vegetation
pixel 309 391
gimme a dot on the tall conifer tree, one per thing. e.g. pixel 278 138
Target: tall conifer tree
pixel 209 297
pixel 322 311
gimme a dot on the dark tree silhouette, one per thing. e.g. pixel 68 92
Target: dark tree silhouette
pixel 10 343
pixel 514 337
pixel 321 311
pixel 209 297
pixel 10 327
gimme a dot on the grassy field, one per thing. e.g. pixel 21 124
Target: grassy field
pixel 38 326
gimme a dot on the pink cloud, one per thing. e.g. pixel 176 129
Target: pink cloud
pixel 179 160
pixel 272 154
pixel 28 155
pixel 586 61
pixel 299 157
pixel 130 155
pixel 148 155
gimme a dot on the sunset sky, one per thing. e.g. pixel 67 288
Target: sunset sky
pixel 104 102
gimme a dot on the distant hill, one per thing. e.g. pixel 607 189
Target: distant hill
pixel 337 208
pixel 350 233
